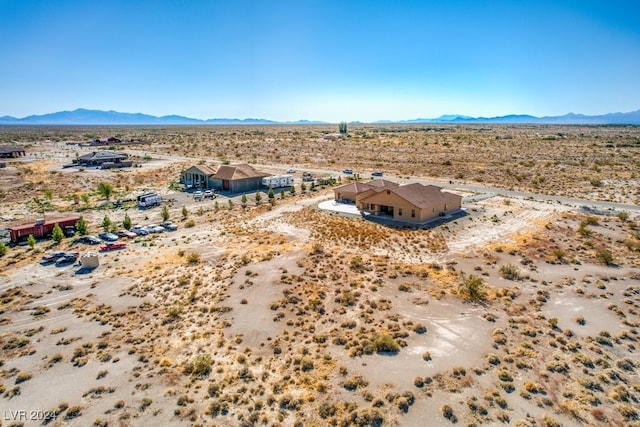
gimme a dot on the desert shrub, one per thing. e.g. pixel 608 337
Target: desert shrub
pixel 193 258
pixel 385 343
pixel 510 272
pixel 473 288
pixel 146 402
pixel 22 377
pixel 493 359
pixel 189 224
pixel 505 376
pixel 200 366
pixel 629 412
pixel 364 417
pixel 548 421
pixel 40 310
pixel 73 412
pixel 626 364
pixel 605 256
pixel 420 329
pixel 447 412
pixel 354 382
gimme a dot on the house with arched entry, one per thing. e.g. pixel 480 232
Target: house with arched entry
pixel 414 202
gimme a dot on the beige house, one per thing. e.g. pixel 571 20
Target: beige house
pixel 410 202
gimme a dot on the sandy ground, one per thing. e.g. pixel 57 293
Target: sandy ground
pixel 283 306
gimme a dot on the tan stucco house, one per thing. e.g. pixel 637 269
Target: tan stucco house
pixel 410 202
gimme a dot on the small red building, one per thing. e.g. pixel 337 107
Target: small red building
pixel 40 229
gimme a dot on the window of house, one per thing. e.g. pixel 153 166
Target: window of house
pixel 413 213
pixel 400 211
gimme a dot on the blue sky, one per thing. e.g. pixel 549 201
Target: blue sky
pixel 320 60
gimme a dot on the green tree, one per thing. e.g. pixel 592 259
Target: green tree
pixel 185 212
pixel 303 187
pixel 57 234
pixel 313 186
pixel 216 206
pixel 230 204
pixel 473 288
pixel 292 190
pixel 3 249
pixel 126 222
pixel 282 193
pixel 270 194
pixel 106 223
pixel 82 227
pixel 243 199
pixel 258 197
pixel 85 199
pixel 165 213
pixel 31 241
pixel 342 127
pixel 105 189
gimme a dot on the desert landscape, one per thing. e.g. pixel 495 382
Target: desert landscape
pixel 523 309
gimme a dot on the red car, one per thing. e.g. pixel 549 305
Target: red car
pixel 112 246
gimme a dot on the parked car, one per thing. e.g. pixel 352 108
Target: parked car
pixel 291 171
pixel 348 171
pixel 69 231
pixel 108 237
pixel 139 231
pixel 169 225
pixel 53 256
pixel 67 258
pixel 126 233
pixel 376 173
pixel 198 195
pixel 111 246
pixel 153 228
pixel 90 240
pixel 208 194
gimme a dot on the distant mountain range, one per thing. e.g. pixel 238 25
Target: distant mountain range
pixel 98 117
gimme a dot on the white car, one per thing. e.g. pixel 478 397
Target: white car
pixel 291 171
pixel 154 228
pixel 197 195
pixel 169 226
pixel 208 194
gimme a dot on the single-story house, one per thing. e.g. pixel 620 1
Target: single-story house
pixel 230 178
pixel 198 176
pixel 238 178
pixel 7 152
pixel 409 202
pixel 97 158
